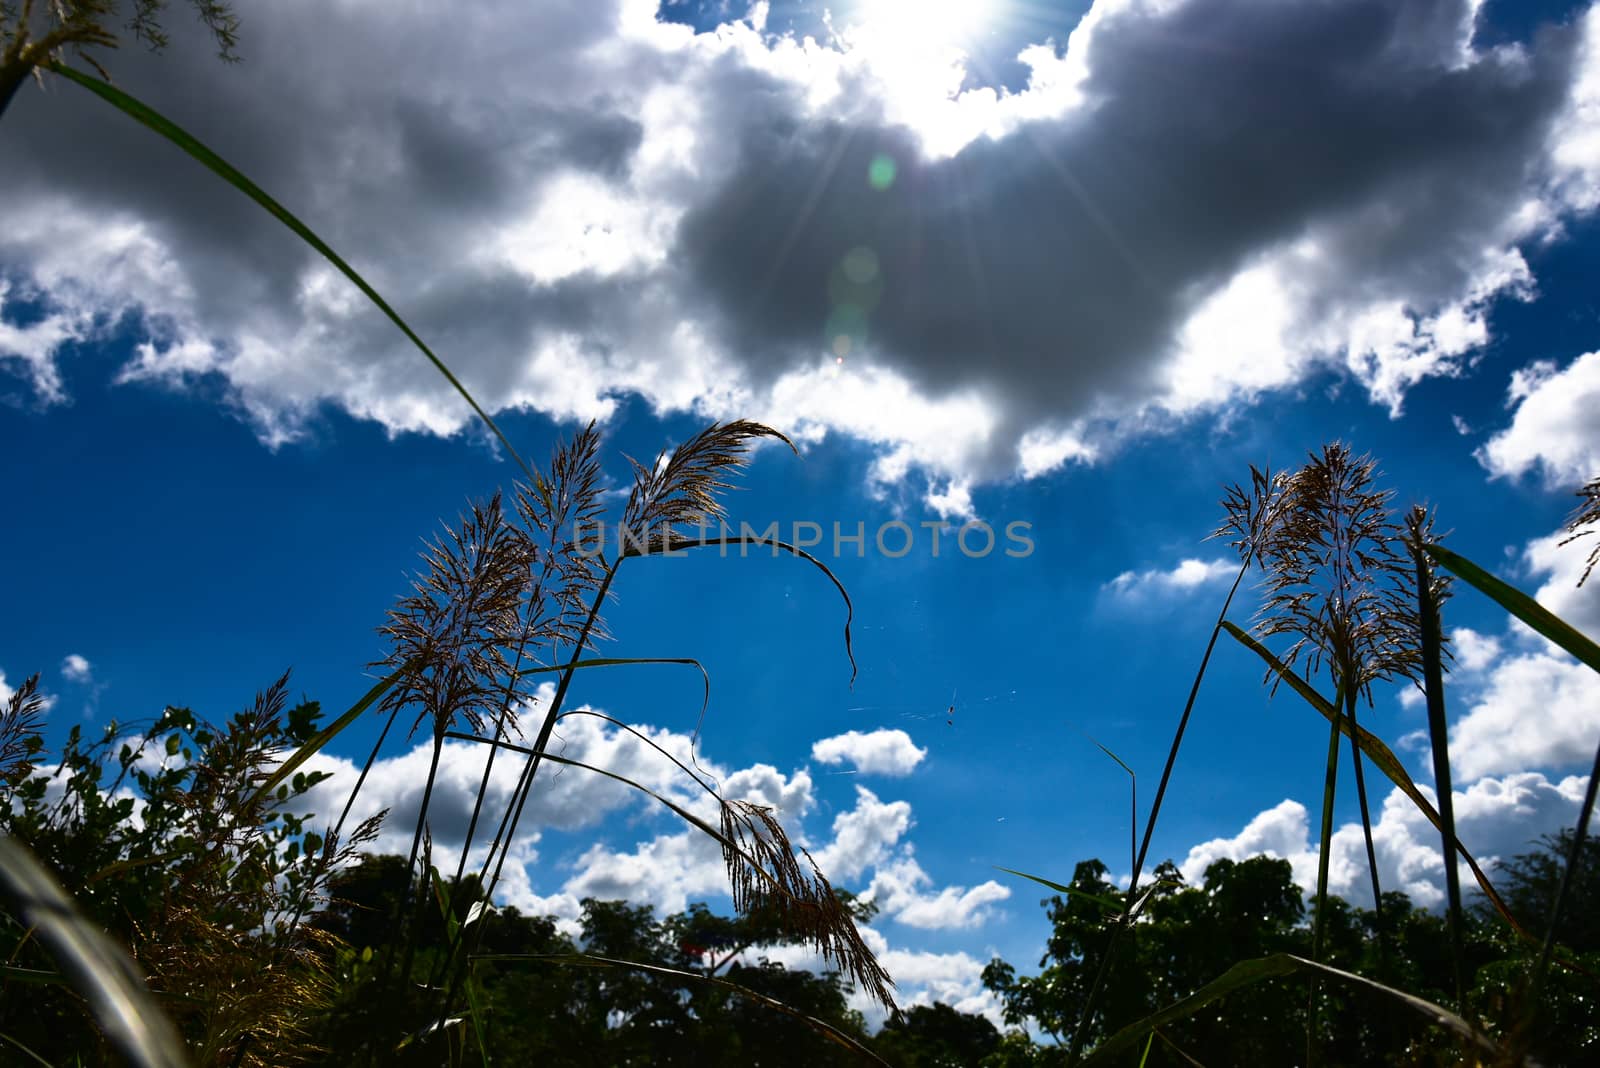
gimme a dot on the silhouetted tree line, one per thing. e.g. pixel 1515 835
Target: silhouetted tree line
pixel 546 1008
pixel 169 847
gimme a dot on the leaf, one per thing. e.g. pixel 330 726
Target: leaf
pixel 1103 902
pixel 1384 760
pixel 1519 604
pixel 310 749
pixel 1247 973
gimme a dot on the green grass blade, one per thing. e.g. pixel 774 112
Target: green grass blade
pixel 1439 740
pixel 312 747
pixel 1384 760
pixel 24 1049
pixel 614 661
pixel 1249 972
pixel 12 973
pixel 164 126
pixel 1109 904
pixel 97 968
pixel 1324 859
pixel 677 544
pixel 1519 604
pixel 1133 801
pixel 589 960
pixel 676 809
pixel 452 927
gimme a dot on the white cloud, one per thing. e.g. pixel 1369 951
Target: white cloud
pixel 920 977
pixel 879 752
pixel 563 798
pixel 1553 428
pixel 668 872
pixel 1561 566
pixel 1138 587
pixel 1535 710
pixel 898 889
pixel 1473 651
pixel 863 836
pixel 1496 818
pixel 953 978
pixel 74 668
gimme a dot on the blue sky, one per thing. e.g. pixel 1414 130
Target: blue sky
pixel 1169 241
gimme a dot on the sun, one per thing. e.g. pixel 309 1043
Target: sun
pixel 922 25
pixel 919 53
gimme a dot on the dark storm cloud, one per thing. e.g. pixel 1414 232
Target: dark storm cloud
pixel 382 137
pixel 1051 267
pixel 1046 272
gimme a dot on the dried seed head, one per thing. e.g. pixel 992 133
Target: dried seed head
pixel 1249 516
pixel 21 720
pixel 1336 578
pixel 766 878
pixel 565 578
pixel 453 633
pixel 1584 518
pixel 681 490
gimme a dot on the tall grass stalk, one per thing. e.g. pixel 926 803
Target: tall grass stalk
pixel 1249 516
pixel 1431 592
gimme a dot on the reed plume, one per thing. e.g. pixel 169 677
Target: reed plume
pixel 1582 523
pixel 21 719
pixel 453 633
pixel 681 490
pixel 766 878
pixel 1337 581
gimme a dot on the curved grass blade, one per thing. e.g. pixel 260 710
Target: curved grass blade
pixel 98 969
pixel 677 809
pixel 1109 904
pixel 1173 1046
pixel 312 747
pixel 1384 760
pixel 589 960
pixel 614 661
pixel 13 973
pixel 628 728
pixel 34 1056
pixel 676 544
pixel 1091 1003
pixel 220 167
pixel 1259 969
pixel 1519 604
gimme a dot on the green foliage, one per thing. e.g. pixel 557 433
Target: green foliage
pixel 1188 937
pixel 161 839
pixel 937 1036
pixel 541 1000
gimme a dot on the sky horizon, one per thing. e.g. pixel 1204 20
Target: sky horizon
pixel 1063 270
